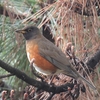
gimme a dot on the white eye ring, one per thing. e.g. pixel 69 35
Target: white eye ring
pixel 29 30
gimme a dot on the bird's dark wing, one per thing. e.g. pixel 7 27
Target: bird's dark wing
pixel 54 55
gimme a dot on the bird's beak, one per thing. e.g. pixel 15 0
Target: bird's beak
pixel 20 31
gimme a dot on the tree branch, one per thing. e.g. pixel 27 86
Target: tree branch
pixel 4 76
pixel 40 85
pixel 43 85
pixel 94 60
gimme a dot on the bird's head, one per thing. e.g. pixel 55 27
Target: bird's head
pixel 29 32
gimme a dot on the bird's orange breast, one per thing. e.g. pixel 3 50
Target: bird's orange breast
pixel 33 50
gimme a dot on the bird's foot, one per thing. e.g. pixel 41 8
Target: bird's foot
pixel 51 79
pixel 31 62
pixel 32 70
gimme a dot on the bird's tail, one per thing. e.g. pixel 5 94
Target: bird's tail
pixel 76 75
pixel 73 73
pixel 87 82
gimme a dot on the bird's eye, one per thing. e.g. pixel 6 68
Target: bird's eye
pixel 29 30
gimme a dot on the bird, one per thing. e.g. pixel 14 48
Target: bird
pixel 47 58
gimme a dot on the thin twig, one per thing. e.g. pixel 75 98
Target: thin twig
pixel 4 76
pixel 51 95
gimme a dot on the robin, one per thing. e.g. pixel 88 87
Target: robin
pixel 46 57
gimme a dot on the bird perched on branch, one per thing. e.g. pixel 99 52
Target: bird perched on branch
pixel 46 57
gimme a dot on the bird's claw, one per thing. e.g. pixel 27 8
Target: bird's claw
pixel 31 62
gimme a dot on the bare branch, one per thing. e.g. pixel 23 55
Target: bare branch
pixel 40 85
pixel 4 76
pixel 94 60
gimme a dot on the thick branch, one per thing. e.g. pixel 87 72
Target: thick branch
pixel 94 60
pixel 41 85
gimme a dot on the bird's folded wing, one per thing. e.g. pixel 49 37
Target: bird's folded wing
pixel 55 56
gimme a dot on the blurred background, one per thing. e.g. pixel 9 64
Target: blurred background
pixel 61 21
